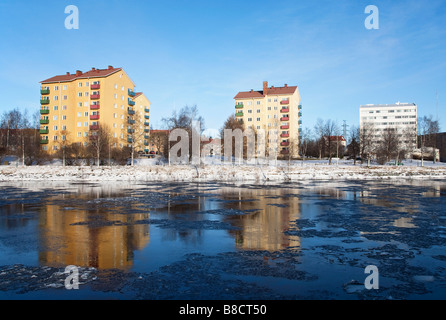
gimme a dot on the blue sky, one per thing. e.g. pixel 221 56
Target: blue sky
pixel 204 52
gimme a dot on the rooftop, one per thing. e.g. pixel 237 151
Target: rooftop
pixel 93 73
pixel 286 90
pixel 397 104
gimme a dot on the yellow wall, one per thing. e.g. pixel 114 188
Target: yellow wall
pixel 251 111
pixel 113 110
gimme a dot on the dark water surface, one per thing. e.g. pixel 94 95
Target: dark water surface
pixel 224 241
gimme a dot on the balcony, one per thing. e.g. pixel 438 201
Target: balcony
pixel 284 151
pixel 45 101
pixel 285 119
pixel 44 121
pixel 147 124
pixel 94 127
pixel 147 117
pixel 300 107
pixel 147 130
pixel 285 110
pixel 285 135
pixel 44 111
pixel 130 131
pixel 146 144
pixel 239 106
pixel 300 114
pixel 284 144
pixel 146 137
pixel 130 140
pixel 131 103
pixel 95 86
pixel 284 127
pixel 44 141
pixel 300 121
pixel 95 107
pixel 285 102
pixel 131 93
pixel 130 121
pixel 95 96
pixel 45 91
pixel 44 131
pixel 239 114
pixel 131 112
pixel 94 117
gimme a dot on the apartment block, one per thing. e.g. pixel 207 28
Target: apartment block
pixel 401 117
pixel 74 106
pixel 277 111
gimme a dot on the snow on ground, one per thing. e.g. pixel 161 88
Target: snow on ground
pixel 148 170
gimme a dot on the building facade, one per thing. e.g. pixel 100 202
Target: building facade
pixel 277 111
pixel 75 106
pixel 401 117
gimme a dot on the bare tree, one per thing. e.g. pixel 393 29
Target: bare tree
pixel 330 130
pixel 135 132
pixel 354 147
pixel 389 146
pixel 319 133
pixel 367 141
pixel 99 142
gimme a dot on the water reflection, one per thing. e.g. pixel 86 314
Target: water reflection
pixel 105 226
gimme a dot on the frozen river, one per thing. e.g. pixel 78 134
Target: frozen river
pixel 224 241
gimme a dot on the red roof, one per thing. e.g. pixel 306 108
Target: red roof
pixel 93 73
pixel 271 91
pixel 335 138
pixel 137 94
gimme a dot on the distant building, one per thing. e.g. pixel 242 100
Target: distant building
pixel 338 144
pixel 401 117
pixel 277 111
pixel 74 106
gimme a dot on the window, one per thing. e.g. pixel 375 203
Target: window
pixel 80 104
pixel 54 138
pixel 80 84
pixel 115 115
pixel 86 134
pixel 64 98
pixel 79 134
pixel 55 118
pixel 87 84
pixel 64 117
pixel 55 148
pixel 116 96
pixel 249 111
pixel 116 106
pixel 86 94
pixel 64 127
pixel 249 119
pixel 55 128
pixel 56 98
pixel 80 94
pixel 79 114
pixel 56 88
pixel 86 114
pixel 258 119
pixel 258 102
pixel 56 108
pixel 258 110
pixel 64 87
pixel 85 124
pixel 79 124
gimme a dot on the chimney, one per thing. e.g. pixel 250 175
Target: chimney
pixel 286 86
pixel 78 72
pixel 265 88
pixel 110 67
pixel 68 73
pixel 93 69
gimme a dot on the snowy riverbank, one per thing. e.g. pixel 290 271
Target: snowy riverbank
pixel 282 172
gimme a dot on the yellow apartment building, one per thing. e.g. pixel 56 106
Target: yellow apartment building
pixel 75 106
pixel 276 110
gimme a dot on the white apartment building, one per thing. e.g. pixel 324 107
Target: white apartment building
pixel 399 116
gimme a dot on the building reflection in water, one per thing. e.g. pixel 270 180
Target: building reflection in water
pixel 100 244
